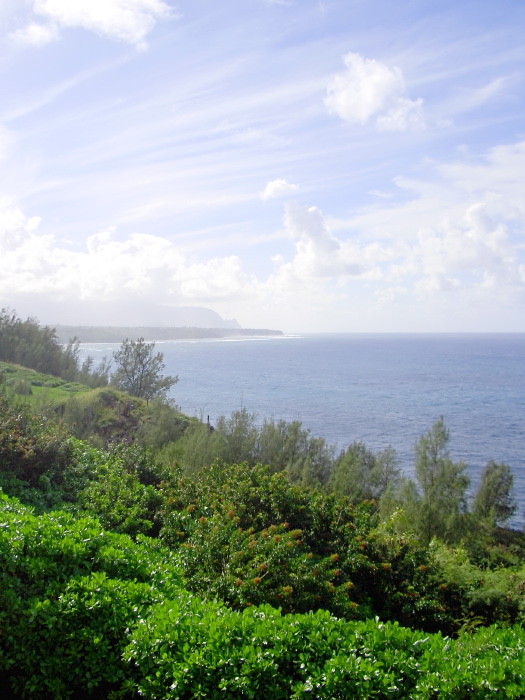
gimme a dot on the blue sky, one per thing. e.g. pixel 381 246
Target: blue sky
pixel 336 165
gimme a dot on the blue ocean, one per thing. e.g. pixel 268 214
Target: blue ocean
pixel 383 390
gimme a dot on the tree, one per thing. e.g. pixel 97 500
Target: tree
pixel 240 436
pixel 494 498
pixel 140 371
pixel 360 474
pixel 31 345
pixel 435 504
pixel 442 484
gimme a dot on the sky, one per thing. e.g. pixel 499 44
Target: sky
pixel 304 165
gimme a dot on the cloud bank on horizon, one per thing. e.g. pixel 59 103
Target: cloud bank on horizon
pixel 339 166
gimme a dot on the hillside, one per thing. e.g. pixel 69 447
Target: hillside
pixel 154 555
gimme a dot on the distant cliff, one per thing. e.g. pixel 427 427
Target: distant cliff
pixel 129 314
pixel 116 334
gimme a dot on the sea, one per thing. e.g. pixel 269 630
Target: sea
pixel 380 389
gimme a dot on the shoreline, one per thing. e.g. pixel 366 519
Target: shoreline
pixel 115 334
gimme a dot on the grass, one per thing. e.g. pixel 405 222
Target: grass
pixel 102 415
pixel 34 385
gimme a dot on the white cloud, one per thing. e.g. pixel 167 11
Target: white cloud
pixel 36 34
pixel 455 244
pixel 125 20
pixel 371 91
pixel 141 267
pixel 318 253
pixel 278 188
pixel 466 253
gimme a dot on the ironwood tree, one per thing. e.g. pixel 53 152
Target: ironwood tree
pixel 140 370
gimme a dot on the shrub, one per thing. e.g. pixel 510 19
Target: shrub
pixel 69 591
pixel 190 649
pixel 31 447
pixel 20 386
pixel 250 537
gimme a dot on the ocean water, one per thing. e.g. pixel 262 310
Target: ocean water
pixel 383 390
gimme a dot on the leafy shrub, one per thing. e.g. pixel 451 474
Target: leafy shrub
pixel 69 591
pixel 478 596
pixel 250 537
pixel 20 386
pixel 31 447
pixel 117 485
pixel 191 649
pixel 85 613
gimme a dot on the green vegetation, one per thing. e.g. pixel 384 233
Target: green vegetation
pixel 89 613
pixel 145 554
pixel 140 371
pixel 37 347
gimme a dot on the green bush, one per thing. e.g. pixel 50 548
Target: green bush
pixel 189 649
pixel 31 447
pixel 85 613
pixel 478 596
pixel 249 537
pixel 69 592
pixel 20 386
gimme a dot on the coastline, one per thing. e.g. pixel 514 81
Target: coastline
pixel 115 334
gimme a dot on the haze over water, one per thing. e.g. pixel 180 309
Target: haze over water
pixel 379 389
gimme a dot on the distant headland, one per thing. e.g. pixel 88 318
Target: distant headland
pixel 116 334
pixel 112 322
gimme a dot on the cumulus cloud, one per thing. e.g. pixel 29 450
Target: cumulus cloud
pixel 125 20
pixel 370 91
pixel 142 267
pixel 468 249
pixel 318 253
pixel 473 251
pixel 278 188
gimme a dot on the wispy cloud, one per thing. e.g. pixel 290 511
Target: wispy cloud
pixel 36 35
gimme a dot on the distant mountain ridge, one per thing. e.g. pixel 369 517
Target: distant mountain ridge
pixel 116 334
pixel 127 313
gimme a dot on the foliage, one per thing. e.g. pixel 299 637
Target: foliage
pixel 494 499
pixel 435 505
pixel 43 466
pixel 443 485
pixel 139 370
pixel 37 347
pixel 94 375
pixel 478 596
pixel 283 446
pixel 86 613
pixel 102 415
pixel 248 536
pixel 34 453
pixel 69 591
pixel 190 649
pixel 119 487
pixel 361 475
pixel 161 425
pixel 29 344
